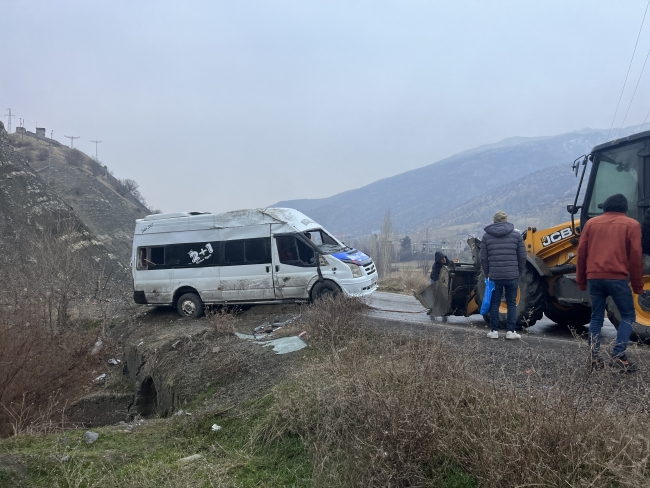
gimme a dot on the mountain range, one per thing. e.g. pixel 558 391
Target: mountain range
pixel 529 178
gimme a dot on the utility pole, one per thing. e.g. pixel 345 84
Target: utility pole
pixel 96 142
pixel 72 138
pixel 49 162
pixel 9 115
pixel 22 132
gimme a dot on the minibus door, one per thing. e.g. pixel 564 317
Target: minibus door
pixel 246 272
pixel 294 266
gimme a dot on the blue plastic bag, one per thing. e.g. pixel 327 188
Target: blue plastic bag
pixel 487 297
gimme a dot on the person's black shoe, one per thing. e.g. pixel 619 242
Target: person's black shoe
pixel 429 312
pixel 623 365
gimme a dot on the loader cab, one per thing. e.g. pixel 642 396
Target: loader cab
pixel 620 166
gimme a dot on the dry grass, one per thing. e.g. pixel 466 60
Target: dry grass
pixel 386 412
pixel 404 281
pixel 333 321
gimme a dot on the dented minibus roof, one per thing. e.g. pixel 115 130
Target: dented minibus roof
pixel 290 220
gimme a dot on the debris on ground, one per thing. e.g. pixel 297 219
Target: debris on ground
pixel 140 343
pixel 191 459
pixel 101 378
pixel 283 345
pixel 91 437
pixel 302 334
pixel 65 459
pixel 114 362
pixel 97 347
pixel 270 328
pixel 215 428
pixel 286 345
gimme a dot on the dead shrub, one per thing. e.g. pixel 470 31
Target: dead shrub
pixel 332 321
pixel 223 320
pixel 75 158
pixel 384 413
pixel 40 370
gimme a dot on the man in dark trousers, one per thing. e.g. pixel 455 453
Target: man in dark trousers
pixel 609 252
pixel 503 259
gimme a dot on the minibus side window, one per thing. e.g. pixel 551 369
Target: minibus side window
pixel 295 252
pixel 257 251
pixel 247 251
pixel 142 258
pixel 234 252
pixel 157 257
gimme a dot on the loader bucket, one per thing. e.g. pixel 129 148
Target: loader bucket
pixel 453 293
pixel 436 296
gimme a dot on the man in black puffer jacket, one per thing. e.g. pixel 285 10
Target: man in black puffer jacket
pixel 503 259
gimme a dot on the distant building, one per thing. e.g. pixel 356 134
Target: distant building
pixel 20 130
pixel 40 132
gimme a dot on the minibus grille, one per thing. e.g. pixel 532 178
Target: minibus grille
pixel 370 268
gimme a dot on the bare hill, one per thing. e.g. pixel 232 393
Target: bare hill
pixel 29 209
pixel 98 198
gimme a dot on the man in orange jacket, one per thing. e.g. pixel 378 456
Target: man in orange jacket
pixel 609 252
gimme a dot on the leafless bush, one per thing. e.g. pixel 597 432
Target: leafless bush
pixel 40 369
pixel 385 413
pixel 75 158
pixel 42 154
pixel 223 320
pixel 332 321
pixel 45 307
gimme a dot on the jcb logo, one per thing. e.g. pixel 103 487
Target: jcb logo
pixel 557 236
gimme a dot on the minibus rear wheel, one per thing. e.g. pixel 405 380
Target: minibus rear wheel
pixel 190 306
pixel 324 288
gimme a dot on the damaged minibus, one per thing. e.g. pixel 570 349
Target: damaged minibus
pixel 191 259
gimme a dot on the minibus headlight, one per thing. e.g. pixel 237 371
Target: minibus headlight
pixel 356 270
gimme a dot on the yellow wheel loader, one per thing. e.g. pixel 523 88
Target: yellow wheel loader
pixel 548 285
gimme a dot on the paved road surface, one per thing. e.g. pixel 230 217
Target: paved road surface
pixel 406 305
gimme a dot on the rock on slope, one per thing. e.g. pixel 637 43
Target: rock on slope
pixel 28 207
pixel 88 188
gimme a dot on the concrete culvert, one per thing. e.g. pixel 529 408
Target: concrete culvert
pixel 146 398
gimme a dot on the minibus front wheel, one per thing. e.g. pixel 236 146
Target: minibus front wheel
pixel 190 306
pixel 324 288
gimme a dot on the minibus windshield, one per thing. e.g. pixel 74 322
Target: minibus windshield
pixel 325 243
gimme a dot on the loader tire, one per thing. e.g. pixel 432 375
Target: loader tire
pixel 533 293
pixel 640 333
pixel 571 316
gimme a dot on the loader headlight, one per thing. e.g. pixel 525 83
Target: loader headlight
pixel 356 270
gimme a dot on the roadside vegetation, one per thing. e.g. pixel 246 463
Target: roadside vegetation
pixel 53 309
pixel 369 409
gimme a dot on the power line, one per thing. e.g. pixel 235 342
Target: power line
pixel 628 69
pixel 633 93
pixel 96 142
pixel 72 138
pixel 9 120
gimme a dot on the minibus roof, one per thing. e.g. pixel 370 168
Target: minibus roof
pixel 291 220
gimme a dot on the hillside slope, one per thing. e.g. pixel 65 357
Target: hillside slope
pixel 29 209
pixel 88 187
pixel 416 197
pixel 538 199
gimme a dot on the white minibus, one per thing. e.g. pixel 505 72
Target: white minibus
pixel 191 259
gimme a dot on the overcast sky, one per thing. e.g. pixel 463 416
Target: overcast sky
pixel 223 105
